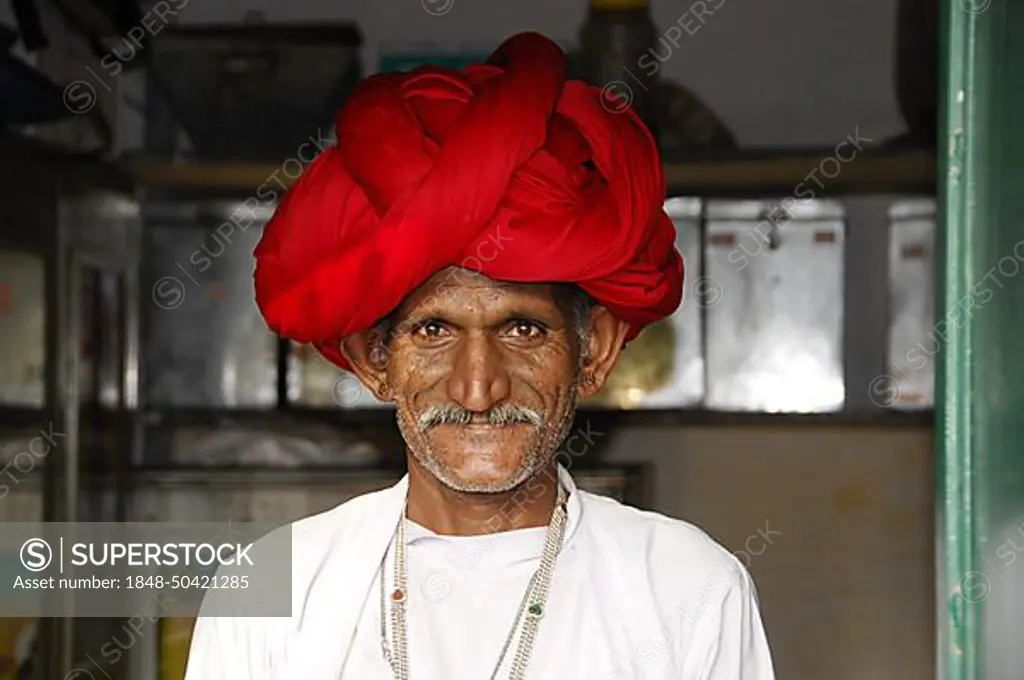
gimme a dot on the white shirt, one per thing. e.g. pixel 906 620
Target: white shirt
pixel 464 593
pixel 635 596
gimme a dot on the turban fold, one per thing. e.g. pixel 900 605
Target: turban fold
pixel 504 168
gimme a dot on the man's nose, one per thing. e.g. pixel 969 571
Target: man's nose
pixel 478 380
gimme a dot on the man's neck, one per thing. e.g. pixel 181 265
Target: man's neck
pixel 449 512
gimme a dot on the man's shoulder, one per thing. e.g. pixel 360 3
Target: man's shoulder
pixel 659 541
pixel 682 589
pixel 319 528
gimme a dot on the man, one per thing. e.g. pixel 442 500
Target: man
pixel 478 249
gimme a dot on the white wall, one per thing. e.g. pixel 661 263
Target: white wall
pixel 847 585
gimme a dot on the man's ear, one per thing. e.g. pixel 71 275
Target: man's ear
pixel 368 354
pixel 605 341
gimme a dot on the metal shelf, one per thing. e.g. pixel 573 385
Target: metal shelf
pixel 748 174
pixel 781 173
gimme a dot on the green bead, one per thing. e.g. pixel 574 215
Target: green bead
pixel 536 610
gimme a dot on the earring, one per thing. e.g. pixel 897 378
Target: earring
pixel 588 379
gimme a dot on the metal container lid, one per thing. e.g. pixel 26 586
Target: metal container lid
pixel 256 92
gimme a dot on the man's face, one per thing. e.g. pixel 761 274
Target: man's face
pixel 484 378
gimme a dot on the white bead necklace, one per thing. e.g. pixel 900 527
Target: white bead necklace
pixel 533 602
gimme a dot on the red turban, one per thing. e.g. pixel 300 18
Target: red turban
pixel 503 168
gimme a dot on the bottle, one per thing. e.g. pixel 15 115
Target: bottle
pixel 613 39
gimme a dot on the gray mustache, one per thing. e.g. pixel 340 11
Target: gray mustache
pixel 453 414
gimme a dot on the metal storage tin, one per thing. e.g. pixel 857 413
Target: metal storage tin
pixel 206 344
pixel 913 342
pixel 774 299
pixel 685 386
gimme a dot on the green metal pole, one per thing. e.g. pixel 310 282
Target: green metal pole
pixel 980 397
pixel 957 613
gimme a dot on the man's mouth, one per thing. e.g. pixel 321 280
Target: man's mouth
pixel 484 427
pixel 499 417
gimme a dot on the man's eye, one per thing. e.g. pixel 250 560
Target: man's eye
pixel 525 330
pixel 431 329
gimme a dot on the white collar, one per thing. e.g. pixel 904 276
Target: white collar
pixel 573 505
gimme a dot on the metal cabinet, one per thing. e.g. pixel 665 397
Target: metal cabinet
pixel 69 246
pixel 206 345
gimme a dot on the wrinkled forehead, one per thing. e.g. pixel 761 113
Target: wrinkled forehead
pixel 451 277
pixel 456 287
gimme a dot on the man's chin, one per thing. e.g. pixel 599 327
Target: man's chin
pixel 480 460
pixel 483 483
pixel 478 479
